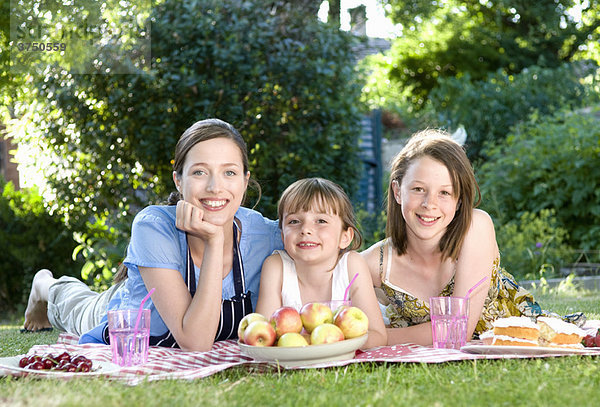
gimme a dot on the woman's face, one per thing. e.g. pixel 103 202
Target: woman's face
pixel 427 198
pixel 213 179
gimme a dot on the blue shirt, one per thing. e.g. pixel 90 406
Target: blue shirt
pixel 156 242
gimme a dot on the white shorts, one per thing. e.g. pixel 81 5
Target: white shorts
pixel 73 307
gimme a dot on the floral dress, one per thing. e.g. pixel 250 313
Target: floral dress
pixel 505 298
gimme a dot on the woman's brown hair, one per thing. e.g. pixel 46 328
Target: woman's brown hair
pixel 438 145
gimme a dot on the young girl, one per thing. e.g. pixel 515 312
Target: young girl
pixel 319 235
pixel 439 245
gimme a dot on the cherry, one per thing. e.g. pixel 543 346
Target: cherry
pixel 70 367
pixel 83 367
pixel 24 361
pixel 78 359
pixel 48 363
pixel 62 365
pixel 63 356
pixel 35 366
pixel 588 341
pixel 597 340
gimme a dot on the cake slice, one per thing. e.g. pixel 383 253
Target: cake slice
pixel 555 332
pixel 487 337
pixel 515 331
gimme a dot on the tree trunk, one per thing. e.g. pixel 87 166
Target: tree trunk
pixel 334 12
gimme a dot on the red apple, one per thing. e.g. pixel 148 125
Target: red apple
pixel 286 319
pixel 254 316
pixel 292 339
pixel 353 322
pixel 338 310
pixel 314 314
pixel 326 333
pixel 259 333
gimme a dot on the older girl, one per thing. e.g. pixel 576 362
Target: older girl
pixel 439 245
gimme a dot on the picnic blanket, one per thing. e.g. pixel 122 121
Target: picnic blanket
pixel 169 363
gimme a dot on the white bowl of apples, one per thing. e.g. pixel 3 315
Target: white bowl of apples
pixel 319 332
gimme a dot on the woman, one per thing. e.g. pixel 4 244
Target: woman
pixel 439 245
pixel 203 256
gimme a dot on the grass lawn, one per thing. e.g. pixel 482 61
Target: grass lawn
pixel 562 381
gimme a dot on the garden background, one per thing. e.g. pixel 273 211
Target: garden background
pixel 520 77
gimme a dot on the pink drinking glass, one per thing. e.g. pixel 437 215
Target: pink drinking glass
pixel 449 317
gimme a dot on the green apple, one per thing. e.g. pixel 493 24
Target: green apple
pixel 314 314
pixel 352 321
pixel 254 316
pixel 292 339
pixel 326 333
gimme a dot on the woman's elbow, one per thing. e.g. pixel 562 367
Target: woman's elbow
pixel 195 345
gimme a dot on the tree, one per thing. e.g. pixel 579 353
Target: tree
pixel 334 12
pixel 287 82
pixel 454 37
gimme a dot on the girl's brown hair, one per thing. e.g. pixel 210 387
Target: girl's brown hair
pixel 438 145
pixel 322 195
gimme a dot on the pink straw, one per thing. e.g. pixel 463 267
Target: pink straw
pixel 348 288
pixel 475 286
pixel 139 315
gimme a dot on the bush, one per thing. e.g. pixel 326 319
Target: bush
pixel 531 243
pixel 548 163
pixel 31 239
pixel 371 226
pixel 490 108
pixel 284 79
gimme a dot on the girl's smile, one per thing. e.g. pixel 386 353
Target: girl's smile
pixel 313 237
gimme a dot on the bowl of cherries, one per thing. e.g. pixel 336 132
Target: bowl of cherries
pixel 57 363
pixel 592 341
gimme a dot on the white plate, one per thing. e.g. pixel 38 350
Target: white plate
pixel 520 350
pixel 305 355
pixel 10 365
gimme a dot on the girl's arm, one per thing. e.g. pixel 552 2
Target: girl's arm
pixel 418 334
pixel 193 322
pixel 363 297
pixel 271 279
pixel 475 262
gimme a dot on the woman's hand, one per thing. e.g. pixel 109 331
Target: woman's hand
pixel 190 219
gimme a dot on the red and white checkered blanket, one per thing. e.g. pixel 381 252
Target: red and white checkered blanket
pixel 167 363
